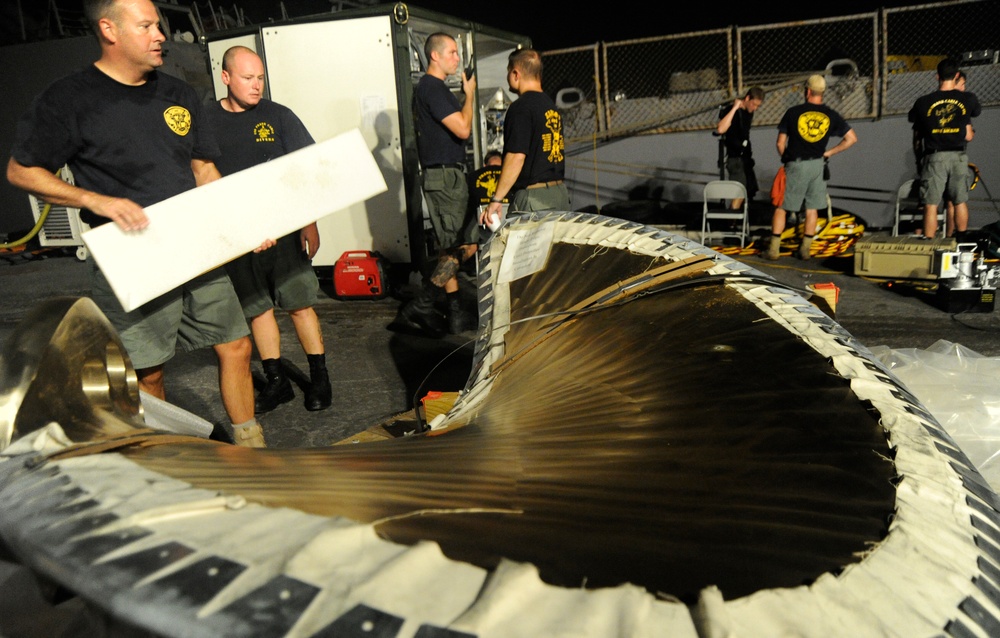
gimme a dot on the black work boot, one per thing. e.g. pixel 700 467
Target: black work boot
pixel 458 319
pixel 319 394
pixel 420 314
pixel 278 389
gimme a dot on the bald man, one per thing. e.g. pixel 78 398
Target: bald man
pixel 252 130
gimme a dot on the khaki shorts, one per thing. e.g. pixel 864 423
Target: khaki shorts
pixel 447 195
pixel 945 173
pixel 203 312
pixel 281 276
pixel 555 197
pixel 804 184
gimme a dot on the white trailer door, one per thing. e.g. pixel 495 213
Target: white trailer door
pixel 338 75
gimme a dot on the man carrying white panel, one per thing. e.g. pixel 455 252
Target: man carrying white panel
pixel 133 137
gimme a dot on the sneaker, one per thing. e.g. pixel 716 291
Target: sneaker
pixel 249 435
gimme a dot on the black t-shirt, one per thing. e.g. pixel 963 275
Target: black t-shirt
pixel 135 142
pixel 940 119
pixel 482 186
pixel 809 128
pixel 533 126
pixel 737 138
pixel 265 132
pixel 432 102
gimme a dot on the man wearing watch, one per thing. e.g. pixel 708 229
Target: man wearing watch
pixel 531 175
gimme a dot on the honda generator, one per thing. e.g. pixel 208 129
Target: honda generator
pixel 360 274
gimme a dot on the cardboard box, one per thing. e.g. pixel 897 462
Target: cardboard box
pixel 434 403
pixel 899 257
pixel 826 296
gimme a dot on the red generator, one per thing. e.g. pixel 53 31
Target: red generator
pixel 360 274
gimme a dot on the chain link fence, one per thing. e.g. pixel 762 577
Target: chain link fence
pixel 679 86
pixel 917 38
pixel 876 64
pixel 781 57
pixel 573 79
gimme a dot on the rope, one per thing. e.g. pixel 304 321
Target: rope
pixel 835 237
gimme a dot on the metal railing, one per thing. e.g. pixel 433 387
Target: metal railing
pixel 876 64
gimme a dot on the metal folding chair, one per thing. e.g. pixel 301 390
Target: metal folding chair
pixel 908 208
pixel 725 191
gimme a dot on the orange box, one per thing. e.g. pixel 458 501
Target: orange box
pixel 435 403
pixel 829 291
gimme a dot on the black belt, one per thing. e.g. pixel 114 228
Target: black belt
pixel 460 166
pixel 944 150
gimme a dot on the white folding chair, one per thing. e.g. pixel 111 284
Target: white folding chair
pixel 908 208
pixel 725 190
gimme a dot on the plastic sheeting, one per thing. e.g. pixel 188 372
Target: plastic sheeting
pixel 961 388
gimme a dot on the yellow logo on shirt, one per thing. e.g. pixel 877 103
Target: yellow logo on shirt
pixel 264 132
pixel 945 112
pixel 813 125
pixel 553 142
pixel 178 119
pixel 487 181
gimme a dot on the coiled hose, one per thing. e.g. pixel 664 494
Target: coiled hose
pixel 34 231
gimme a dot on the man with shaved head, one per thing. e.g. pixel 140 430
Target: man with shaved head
pixel 533 145
pixel 444 127
pixel 252 130
pixel 132 137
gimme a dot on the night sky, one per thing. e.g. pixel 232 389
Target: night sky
pixel 557 24
pixel 551 24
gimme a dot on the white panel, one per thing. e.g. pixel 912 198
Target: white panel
pixel 205 227
pixel 338 75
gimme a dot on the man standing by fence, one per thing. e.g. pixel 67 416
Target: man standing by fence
pixel 531 175
pixel 734 127
pixel 803 134
pixel 942 119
